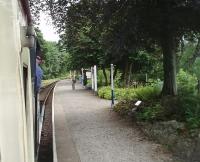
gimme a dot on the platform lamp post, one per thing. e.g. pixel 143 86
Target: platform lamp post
pixel 82 76
pixel 112 85
pixel 92 77
pixel 95 79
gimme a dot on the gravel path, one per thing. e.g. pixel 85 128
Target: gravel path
pixel 88 131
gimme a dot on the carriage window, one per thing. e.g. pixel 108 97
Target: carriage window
pixel 25 77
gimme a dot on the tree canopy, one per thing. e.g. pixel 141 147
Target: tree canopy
pixel 55 60
pixel 117 31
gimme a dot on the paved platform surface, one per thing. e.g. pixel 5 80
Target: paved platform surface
pixel 86 130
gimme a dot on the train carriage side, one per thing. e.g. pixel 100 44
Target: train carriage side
pixel 17 55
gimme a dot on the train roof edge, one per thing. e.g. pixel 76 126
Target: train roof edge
pixel 26 10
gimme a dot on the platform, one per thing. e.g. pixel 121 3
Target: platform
pixel 86 130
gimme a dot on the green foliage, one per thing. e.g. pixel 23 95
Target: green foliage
pixel 197 67
pixel 101 78
pixel 105 92
pixel 118 79
pixel 193 119
pixel 147 93
pixel 190 106
pixel 141 93
pixel 122 32
pixel 185 55
pixel 126 94
pixel 186 83
pixel 181 108
pixel 89 83
pixel 55 61
pixel 151 113
pixel 148 110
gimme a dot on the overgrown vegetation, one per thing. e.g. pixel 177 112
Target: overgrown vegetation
pixel 140 93
pixel 187 83
pixel 184 108
pixel 55 63
pixel 159 38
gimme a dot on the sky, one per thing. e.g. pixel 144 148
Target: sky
pixel 49 33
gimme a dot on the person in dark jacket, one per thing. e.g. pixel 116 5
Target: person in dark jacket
pixel 39 73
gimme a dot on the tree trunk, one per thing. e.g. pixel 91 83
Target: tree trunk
pixel 169 65
pixel 105 75
pixel 126 74
pixel 84 78
pixel 129 74
pixel 115 72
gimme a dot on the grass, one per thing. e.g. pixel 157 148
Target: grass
pixel 49 81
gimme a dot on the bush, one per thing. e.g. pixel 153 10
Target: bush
pixel 186 83
pixel 183 108
pixel 125 94
pixel 151 113
pixel 105 92
pixel 190 105
pixel 141 93
pixel 147 93
pixel 124 107
pixel 101 79
pixel 193 118
pixel 89 83
pixel 118 79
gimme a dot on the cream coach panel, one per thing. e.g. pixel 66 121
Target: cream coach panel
pixel 29 105
pixel 12 114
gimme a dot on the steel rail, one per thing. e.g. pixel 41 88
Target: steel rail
pixel 45 113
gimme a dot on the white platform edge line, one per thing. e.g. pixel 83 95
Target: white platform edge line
pixel 55 159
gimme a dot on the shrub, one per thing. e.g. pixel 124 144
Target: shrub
pixel 105 92
pixel 125 94
pixel 141 93
pixel 101 79
pixel 124 107
pixel 186 83
pixel 118 79
pixel 147 93
pixel 89 83
pixel 193 118
pixel 151 113
pixel 191 107
pixel 183 108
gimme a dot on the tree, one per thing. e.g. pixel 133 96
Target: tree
pixel 54 59
pixel 166 22
pixel 119 29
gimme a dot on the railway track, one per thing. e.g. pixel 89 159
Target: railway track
pixel 45 150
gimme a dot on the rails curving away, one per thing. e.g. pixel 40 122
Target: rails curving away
pixel 45 150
